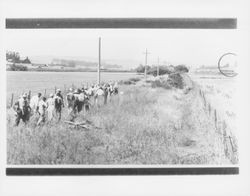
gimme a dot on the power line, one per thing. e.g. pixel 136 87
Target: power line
pixel 146 62
pixel 158 69
pixel 99 63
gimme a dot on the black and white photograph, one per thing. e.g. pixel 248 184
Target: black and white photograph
pixel 127 97
pixel 125 90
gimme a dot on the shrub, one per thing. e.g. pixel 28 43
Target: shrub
pixel 181 68
pixel 159 83
pixel 134 79
pixel 152 70
pixel 129 81
pixel 141 68
pixel 17 68
pixel 162 70
pixel 175 80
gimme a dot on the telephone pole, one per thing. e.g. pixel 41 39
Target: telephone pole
pixel 146 59
pixel 158 71
pixel 99 63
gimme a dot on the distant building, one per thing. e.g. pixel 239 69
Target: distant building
pixel 55 66
pixel 207 70
pixel 26 61
pixel 37 65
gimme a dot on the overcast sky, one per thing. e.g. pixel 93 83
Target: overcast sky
pixel 192 47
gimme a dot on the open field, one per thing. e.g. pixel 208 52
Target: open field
pixel 19 82
pixel 221 94
pixel 145 125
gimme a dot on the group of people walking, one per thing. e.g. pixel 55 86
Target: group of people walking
pixel 50 108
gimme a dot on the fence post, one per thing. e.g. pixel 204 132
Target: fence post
pixel 55 89
pixel 204 98
pixel 29 95
pixel 12 99
pixel 231 142
pixel 215 118
pixel 45 92
pixel 209 109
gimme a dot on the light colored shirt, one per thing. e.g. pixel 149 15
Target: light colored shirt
pixel 21 103
pixel 41 107
pixel 34 102
pixel 81 97
pixel 50 102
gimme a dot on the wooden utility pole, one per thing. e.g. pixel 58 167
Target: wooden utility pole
pixel 146 62
pixel 12 100
pixel 158 68
pixel 99 64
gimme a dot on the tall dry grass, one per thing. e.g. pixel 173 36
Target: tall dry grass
pixel 129 131
pixel 133 130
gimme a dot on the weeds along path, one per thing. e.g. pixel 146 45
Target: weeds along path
pixel 196 140
pixel 143 126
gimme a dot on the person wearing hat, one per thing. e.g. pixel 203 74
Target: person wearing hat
pixel 115 87
pixel 76 102
pixel 41 110
pixel 50 106
pixel 34 102
pixel 70 100
pixel 82 98
pixel 22 109
pixel 58 93
pixel 58 104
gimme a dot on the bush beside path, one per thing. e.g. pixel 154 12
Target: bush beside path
pixel 146 124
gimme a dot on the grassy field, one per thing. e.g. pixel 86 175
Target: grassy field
pixel 145 125
pixel 19 82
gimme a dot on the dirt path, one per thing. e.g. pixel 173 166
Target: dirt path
pixel 196 138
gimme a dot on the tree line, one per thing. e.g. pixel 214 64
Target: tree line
pixel 163 69
pixel 14 57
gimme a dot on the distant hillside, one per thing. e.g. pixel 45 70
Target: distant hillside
pixel 44 59
pixel 82 63
pixel 71 62
pixel 207 70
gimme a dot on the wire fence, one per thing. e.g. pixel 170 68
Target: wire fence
pixel 45 92
pixel 221 128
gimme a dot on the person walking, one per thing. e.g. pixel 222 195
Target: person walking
pixel 76 104
pixel 58 105
pixel 105 89
pixel 115 88
pixel 34 102
pixel 50 107
pixel 70 100
pixel 59 94
pixel 22 109
pixel 18 111
pixel 81 98
pixel 42 110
